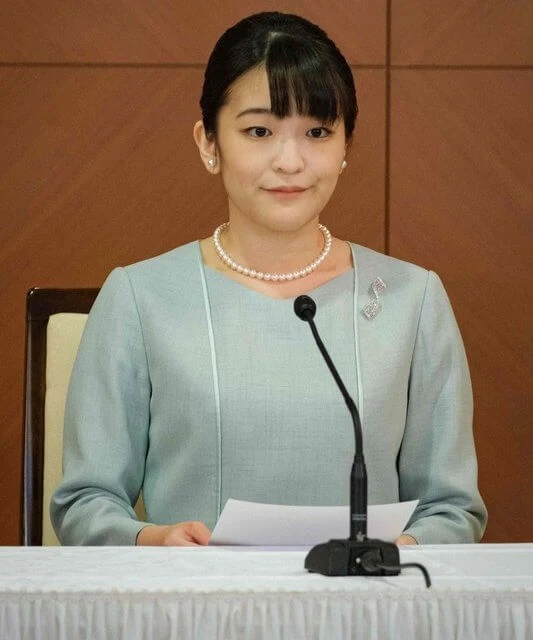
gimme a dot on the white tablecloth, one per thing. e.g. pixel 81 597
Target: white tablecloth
pixel 483 591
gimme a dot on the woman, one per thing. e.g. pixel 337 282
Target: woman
pixel 195 381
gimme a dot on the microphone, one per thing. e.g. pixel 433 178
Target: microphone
pixel 358 555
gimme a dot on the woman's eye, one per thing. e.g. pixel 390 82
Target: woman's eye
pixel 258 132
pixel 318 132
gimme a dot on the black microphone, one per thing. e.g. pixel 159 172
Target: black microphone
pixel 358 555
pixel 305 309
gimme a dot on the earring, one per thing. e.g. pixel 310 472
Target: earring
pixel 344 165
pixel 212 162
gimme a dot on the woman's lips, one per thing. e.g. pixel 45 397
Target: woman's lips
pixel 286 191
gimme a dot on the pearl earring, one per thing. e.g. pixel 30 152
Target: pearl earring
pixel 344 165
pixel 212 162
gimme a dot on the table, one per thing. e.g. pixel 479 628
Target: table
pixel 479 591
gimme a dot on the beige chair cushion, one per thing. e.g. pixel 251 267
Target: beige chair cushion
pixel 62 341
pixel 63 337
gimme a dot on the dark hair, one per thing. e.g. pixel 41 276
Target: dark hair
pixel 306 71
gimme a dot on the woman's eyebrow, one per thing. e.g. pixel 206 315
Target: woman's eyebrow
pixel 255 110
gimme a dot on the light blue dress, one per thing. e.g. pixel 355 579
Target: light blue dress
pixel 194 389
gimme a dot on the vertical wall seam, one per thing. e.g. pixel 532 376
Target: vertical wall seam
pixel 388 27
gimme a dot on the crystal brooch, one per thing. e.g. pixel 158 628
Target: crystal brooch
pixel 372 308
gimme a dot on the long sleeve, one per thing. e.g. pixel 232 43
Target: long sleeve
pixel 106 425
pixel 437 462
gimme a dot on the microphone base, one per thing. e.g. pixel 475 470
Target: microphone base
pixel 353 558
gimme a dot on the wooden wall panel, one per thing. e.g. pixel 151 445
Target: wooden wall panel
pixel 357 209
pixel 461 32
pixel 98 168
pixel 165 31
pixel 460 203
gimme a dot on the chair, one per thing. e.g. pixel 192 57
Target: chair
pixel 55 319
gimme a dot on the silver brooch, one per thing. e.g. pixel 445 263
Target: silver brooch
pixel 372 308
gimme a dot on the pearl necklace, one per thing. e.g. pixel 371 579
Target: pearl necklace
pixel 274 277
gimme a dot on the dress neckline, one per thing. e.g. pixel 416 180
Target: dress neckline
pixel 216 273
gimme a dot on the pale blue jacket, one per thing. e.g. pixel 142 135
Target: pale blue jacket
pixel 194 389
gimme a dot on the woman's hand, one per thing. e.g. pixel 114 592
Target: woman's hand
pixel 184 534
pixel 405 539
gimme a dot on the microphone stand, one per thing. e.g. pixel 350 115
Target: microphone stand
pixel 358 555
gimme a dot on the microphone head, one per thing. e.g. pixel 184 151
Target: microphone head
pixel 305 308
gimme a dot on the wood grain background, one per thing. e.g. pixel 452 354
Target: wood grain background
pixel 98 168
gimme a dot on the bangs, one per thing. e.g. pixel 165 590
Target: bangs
pixel 303 80
pixel 307 73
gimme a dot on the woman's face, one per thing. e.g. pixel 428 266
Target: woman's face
pixel 278 173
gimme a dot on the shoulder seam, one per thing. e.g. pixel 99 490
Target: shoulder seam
pixel 130 285
pixel 428 273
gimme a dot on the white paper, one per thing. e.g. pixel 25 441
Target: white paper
pixel 256 524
